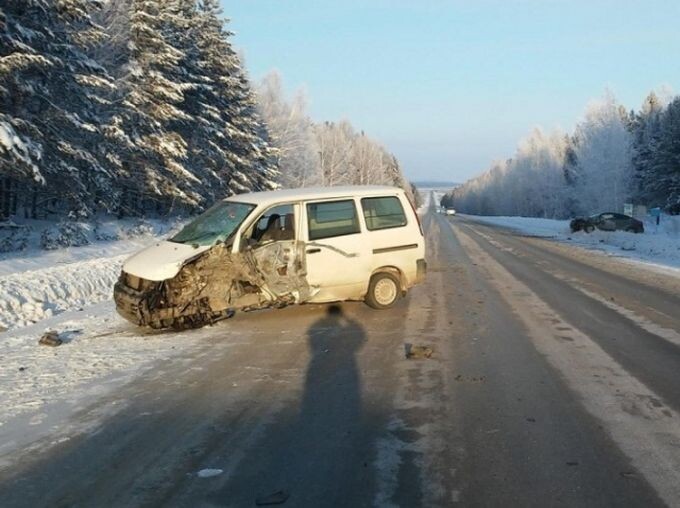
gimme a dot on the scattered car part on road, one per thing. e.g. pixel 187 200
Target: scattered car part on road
pixel 50 338
pixel 413 352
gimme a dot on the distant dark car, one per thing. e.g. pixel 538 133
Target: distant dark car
pixel 607 221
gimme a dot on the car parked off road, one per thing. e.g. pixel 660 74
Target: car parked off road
pixel 607 221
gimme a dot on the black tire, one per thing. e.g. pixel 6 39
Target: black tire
pixel 383 291
pixel 589 228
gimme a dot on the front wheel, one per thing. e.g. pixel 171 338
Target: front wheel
pixel 383 291
pixel 589 228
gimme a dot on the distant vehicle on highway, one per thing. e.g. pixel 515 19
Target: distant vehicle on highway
pixel 450 211
pixel 271 249
pixel 607 221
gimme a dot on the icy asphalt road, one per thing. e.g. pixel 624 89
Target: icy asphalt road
pixel 553 382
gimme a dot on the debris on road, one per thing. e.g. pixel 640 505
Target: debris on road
pixel 209 473
pixel 278 497
pixel 417 352
pixel 51 338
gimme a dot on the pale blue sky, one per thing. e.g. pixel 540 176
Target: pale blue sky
pixel 449 86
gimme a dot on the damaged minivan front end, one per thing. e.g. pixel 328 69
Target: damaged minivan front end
pixel 203 291
pixel 195 279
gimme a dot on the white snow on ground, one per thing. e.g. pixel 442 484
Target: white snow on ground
pixel 35 259
pixel 42 386
pixel 36 284
pixel 658 245
pixel 69 290
pixel 59 285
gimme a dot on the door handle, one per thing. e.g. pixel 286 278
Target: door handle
pixel 313 251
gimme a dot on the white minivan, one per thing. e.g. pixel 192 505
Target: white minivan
pixel 269 249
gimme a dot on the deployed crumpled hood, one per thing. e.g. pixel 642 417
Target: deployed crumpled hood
pixel 162 260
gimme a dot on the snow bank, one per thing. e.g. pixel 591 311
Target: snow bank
pixel 31 236
pixel 37 284
pixel 658 245
pixel 28 297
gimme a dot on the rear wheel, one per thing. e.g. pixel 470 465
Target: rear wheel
pixel 589 228
pixel 383 291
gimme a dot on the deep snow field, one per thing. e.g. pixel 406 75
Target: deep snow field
pixel 658 246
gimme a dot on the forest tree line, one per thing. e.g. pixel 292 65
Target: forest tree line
pixel 135 107
pixel 613 157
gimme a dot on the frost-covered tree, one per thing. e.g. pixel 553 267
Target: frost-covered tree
pixel 530 184
pixel 242 156
pixel 152 155
pixel 51 98
pixel 144 106
pixel 603 147
pixel 291 132
pixel 186 120
pixel 646 133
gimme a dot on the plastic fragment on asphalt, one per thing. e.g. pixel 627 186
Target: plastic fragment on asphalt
pixel 208 473
pixel 417 352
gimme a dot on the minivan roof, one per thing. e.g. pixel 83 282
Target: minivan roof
pixel 276 196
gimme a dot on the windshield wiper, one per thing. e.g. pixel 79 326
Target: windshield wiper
pixel 195 238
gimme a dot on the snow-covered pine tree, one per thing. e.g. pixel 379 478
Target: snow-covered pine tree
pixel 235 138
pixel 51 94
pixel 151 158
pixel 646 128
pixel 663 179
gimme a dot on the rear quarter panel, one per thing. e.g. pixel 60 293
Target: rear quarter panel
pixel 397 247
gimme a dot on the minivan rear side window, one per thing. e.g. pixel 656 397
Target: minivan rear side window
pixel 332 218
pixel 383 213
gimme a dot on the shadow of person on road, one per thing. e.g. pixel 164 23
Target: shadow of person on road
pixel 318 453
pixel 333 382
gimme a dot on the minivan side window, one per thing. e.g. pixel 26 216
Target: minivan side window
pixel 274 225
pixel 332 218
pixel 383 213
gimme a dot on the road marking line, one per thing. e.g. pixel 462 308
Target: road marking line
pixel 668 334
pixel 645 429
pixel 420 385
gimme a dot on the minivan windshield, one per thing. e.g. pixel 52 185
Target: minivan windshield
pixel 217 224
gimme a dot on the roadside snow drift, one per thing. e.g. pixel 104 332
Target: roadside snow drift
pixel 658 245
pixel 30 296
pixel 36 284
